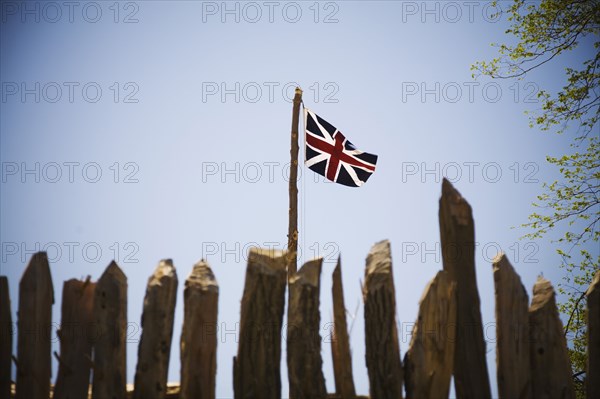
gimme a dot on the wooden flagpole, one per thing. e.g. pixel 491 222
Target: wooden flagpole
pixel 293 210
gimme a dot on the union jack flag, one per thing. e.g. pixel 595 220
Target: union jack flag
pixel 330 154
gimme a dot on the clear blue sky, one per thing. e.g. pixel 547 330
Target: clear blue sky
pixel 160 129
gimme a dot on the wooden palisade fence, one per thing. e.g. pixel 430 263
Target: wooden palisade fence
pixel 531 351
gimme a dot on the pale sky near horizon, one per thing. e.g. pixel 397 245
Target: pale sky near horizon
pixel 145 130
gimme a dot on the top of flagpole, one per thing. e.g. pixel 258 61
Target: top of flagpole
pixel 298 92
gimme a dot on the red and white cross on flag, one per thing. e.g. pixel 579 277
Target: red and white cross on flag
pixel 330 154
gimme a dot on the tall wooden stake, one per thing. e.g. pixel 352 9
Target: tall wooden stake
pixel 199 334
pixel 75 334
pixel 6 340
pixel 592 379
pixel 36 296
pixel 551 375
pixel 340 346
pixel 293 223
pixel 305 365
pixel 110 344
pixel 513 366
pixel 457 231
pixel 256 368
pixel 382 353
pixel 157 332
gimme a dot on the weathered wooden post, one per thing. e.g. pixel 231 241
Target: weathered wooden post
pixel 73 379
pixel 199 334
pixel 293 188
pixel 512 332
pixel 381 333
pixel 110 318
pixel 304 360
pixel 256 372
pixel 36 296
pixel 429 360
pixel 550 365
pixel 457 231
pixel 593 323
pixel 154 349
pixel 340 344
pixel 5 339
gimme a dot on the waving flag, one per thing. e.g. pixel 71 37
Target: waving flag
pixel 330 154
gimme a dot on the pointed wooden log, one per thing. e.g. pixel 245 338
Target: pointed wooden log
pixel 256 368
pixel 199 334
pixel 340 344
pixel 457 231
pixel 381 333
pixel 75 334
pixel 550 365
pixel 110 318
pixel 36 296
pixel 5 339
pixel 593 323
pixel 512 332
pixel 304 360
pixel 429 360
pixel 154 349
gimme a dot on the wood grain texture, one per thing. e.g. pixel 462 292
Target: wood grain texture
pixel 6 339
pixel 381 333
pixel 593 322
pixel 36 296
pixel 110 319
pixel 512 332
pixel 340 344
pixel 429 361
pixel 75 335
pixel 154 349
pixel 199 334
pixel 305 374
pixel 550 365
pixel 457 231
pixel 293 187
pixel 256 368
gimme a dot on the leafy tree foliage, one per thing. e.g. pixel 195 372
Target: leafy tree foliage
pixel 543 31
